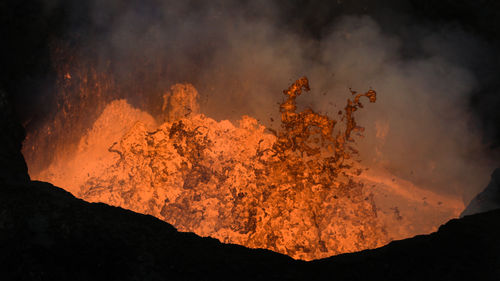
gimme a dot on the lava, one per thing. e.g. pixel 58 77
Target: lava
pixel 298 190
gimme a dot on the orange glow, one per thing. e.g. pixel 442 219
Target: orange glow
pixel 297 191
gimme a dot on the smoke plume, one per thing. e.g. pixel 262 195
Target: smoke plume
pixel 241 55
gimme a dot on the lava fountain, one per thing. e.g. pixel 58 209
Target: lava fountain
pixel 298 190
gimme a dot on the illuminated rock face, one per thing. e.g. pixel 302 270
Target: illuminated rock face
pixel 180 101
pixel 488 199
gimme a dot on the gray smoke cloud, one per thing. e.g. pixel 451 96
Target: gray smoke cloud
pixel 241 56
pixel 420 127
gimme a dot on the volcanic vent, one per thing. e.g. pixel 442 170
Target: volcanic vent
pixel 297 189
pixel 291 190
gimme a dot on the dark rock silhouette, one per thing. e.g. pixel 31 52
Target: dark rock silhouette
pixel 12 165
pixel 47 234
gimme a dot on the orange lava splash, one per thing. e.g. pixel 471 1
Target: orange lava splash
pixel 243 185
pixel 297 191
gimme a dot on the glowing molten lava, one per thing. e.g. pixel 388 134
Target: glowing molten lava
pixel 297 191
pixel 241 184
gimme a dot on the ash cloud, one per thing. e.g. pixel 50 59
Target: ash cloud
pixel 420 128
pixel 241 55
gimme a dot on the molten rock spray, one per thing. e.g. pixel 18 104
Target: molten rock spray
pixel 298 190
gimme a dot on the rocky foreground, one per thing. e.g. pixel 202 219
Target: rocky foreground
pixel 47 234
